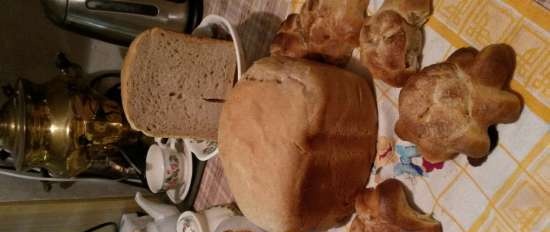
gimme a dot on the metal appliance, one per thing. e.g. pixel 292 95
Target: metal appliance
pixel 64 126
pixel 120 21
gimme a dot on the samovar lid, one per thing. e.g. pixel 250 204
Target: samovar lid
pixel 12 123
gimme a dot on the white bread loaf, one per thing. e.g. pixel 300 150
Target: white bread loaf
pixel 297 139
pixel 173 85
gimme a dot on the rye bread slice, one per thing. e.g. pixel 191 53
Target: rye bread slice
pixel 173 84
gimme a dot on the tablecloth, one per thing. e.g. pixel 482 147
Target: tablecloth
pixel 510 190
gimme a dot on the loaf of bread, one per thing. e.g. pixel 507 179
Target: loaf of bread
pixel 325 30
pixel 297 140
pixel 391 40
pixel 387 209
pixel 173 85
pixel 447 108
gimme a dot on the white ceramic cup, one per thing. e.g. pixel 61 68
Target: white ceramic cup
pixel 204 221
pixel 190 221
pixel 163 168
pixel 216 215
pixel 203 149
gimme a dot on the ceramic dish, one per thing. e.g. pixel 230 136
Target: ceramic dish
pixel 203 149
pixel 164 170
pixel 237 223
pixel 178 194
pixel 169 170
pixel 190 221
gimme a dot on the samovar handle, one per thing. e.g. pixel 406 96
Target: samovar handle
pixel 61 62
pixel 8 90
pixel 66 67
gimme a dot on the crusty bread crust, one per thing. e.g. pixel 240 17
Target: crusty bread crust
pixel 126 75
pixel 387 209
pixel 325 30
pixel 415 12
pixel 297 139
pixel 391 41
pixel 446 108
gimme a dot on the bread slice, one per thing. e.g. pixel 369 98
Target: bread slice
pixel 173 85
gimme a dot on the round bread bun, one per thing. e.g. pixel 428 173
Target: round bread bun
pixel 297 140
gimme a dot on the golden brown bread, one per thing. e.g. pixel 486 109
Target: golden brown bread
pixel 387 209
pixel 415 12
pixel 391 40
pixel 297 140
pixel 325 30
pixel 447 108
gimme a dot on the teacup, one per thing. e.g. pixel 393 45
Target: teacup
pixel 204 221
pixel 163 166
pixel 190 221
pixel 203 149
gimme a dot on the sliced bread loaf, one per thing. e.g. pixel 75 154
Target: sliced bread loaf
pixel 173 85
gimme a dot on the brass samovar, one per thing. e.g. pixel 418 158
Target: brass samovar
pixel 62 125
